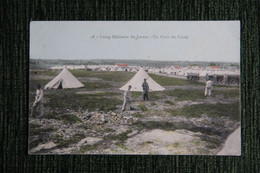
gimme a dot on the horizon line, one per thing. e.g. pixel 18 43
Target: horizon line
pixel 134 60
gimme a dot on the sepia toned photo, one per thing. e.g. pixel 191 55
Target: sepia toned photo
pixel 134 87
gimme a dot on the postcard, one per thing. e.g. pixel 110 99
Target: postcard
pixel 134 87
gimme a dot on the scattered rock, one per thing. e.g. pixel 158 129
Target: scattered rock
pixel 92 140
pixel 43 146
pixel 97 124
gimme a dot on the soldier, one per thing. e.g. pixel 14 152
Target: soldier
pixel 38 102
pixel 208 88
pixel 145 89
pixel 127 98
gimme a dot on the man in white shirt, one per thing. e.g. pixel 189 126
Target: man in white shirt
pixel 208 88
pixel 38 102
pixel 127 98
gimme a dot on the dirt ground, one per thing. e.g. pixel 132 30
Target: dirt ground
pixel 170 122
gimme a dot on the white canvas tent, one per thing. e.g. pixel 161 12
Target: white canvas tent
pixel 137 81
pixel 64 80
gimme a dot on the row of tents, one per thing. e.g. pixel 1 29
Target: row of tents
pixel 170 70
pixel 67 80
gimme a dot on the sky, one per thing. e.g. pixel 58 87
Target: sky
pixel 211 41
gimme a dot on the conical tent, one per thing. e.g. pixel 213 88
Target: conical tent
pixel 137 81
pixel 64 80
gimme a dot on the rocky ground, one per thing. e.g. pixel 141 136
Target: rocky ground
pixel 166 124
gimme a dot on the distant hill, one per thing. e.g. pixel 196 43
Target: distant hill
pixel 47 63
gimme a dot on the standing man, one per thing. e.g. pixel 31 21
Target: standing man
pixel 38 102
pixel 145 90
pixel 208 88
pixel 127 98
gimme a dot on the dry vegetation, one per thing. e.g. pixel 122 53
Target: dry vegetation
pixel 72 116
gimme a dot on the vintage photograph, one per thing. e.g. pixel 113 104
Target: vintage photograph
pixel 134 87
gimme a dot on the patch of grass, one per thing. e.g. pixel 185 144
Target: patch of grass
pixel 65 143
pixel 220 123
pixel 52 115
pixel 70 119
pixel 172 126
pixel 58 139
pixel 43 131
pixel 148 142
pixel 232 93
pixel 66 118
pixel 85 148
pixel 70 100
pixel 121 137
pixel 212 142
pixel 44 72
pixel 203 151
pixel 164 125
pixel 177 153
pixel 105 75
pixel 213 145
pixel 182 95
pixel 101 94
pixel 121 145
pixel 33 83
pixel 143 107
pixel 96 85
pixel 170 81
pixel 77 137
pixel 169 102
pixel 228 110
pixel 153 153
pixel 86 127
pixel 153 104
pixel 136 94
pixel 35 129
pixel 176 145
pixel 137 115
pixel 197 143
pixel 109 130
pixel 155 95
